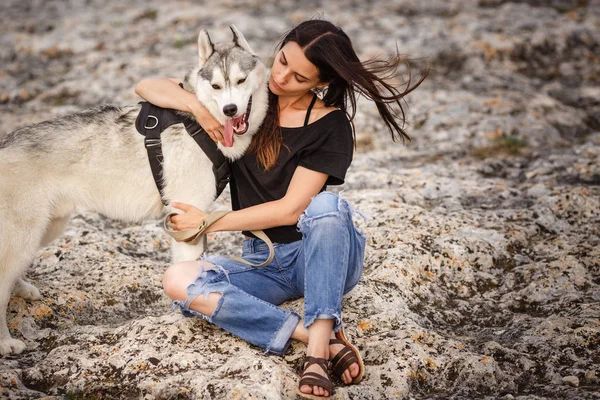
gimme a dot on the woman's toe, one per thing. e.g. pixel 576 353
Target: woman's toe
pixel 347 378
pixel 322 392
pixel 305 389
pixel 354 370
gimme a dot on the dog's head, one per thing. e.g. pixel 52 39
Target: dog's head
pixel 227 80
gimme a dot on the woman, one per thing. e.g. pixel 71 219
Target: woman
pixel 303 145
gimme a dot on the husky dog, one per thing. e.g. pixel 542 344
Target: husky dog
pixel 96 160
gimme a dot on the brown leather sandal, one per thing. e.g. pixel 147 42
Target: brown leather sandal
pixel 314 379
pixel 346 357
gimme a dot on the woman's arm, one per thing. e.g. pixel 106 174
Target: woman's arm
pixel 305 184
pixel 167 93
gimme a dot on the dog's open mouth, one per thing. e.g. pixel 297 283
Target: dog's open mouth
pixel 238 125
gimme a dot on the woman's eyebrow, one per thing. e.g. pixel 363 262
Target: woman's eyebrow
pixel 285 59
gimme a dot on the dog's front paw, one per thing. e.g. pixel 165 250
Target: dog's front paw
pixel 26 290
pixel 10 345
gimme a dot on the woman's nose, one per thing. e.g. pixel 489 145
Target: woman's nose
pixel 280 79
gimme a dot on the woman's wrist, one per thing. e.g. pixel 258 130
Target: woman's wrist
pixel 214 227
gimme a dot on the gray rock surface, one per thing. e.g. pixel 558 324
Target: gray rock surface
pixel 482 275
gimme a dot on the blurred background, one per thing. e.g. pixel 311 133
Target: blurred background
pixel 482 273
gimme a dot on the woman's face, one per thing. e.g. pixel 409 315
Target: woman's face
pixel 292 73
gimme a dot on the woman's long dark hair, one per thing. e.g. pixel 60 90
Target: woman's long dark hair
pixel 331 51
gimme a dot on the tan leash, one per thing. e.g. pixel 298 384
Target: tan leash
pixel 193 236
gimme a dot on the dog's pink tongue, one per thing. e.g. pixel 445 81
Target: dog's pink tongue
pixel 228 134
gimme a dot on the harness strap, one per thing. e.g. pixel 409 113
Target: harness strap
pixel 152 120
pixel 220 164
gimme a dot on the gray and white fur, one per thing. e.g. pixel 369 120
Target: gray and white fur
pixel 96 160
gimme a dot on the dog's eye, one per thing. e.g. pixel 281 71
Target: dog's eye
pixel 241 81
pixel 216 87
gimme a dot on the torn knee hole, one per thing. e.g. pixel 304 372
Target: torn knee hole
pixel 205 302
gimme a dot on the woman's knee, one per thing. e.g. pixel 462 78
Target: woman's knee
pixel 177 278
pixel 323 203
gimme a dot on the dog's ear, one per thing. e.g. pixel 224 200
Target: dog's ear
pixel 205 46
pixel 239 39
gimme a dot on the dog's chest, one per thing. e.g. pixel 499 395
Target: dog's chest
pixel 185 166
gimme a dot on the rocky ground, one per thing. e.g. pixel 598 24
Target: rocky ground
pixel 482 274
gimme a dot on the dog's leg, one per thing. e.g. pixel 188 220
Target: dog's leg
pixel 186 252
pixel 55 228
pixel 25 289
pixel 20 237
pixel 10 270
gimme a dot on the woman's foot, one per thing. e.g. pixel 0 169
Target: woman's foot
pixel 349 373
pixel 315 382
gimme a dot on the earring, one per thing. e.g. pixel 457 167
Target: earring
pixel 318 90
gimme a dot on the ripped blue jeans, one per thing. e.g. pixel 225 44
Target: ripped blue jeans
pixel 322 267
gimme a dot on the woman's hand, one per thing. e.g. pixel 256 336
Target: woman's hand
pixel 190 218
pixel 213 128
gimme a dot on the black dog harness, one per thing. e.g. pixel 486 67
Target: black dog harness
pixel 152 120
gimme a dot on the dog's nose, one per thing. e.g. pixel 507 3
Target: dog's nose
pixel 230 110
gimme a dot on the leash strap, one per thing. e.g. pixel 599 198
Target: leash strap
pixel 193 236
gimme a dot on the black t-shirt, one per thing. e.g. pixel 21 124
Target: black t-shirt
pixel 325 145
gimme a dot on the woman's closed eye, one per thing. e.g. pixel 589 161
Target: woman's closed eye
pixel 299 80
